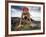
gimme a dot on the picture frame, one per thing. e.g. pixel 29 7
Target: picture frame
pixel 11 5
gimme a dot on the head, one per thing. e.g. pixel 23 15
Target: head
pixel 25 9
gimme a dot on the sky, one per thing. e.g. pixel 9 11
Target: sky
pixel 16 11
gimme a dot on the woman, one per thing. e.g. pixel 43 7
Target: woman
pixel 25 21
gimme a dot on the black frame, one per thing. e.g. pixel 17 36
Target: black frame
pixel 6 17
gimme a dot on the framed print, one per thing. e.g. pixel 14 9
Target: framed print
pixel 24 18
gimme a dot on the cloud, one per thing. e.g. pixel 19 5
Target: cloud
pixel 35 15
